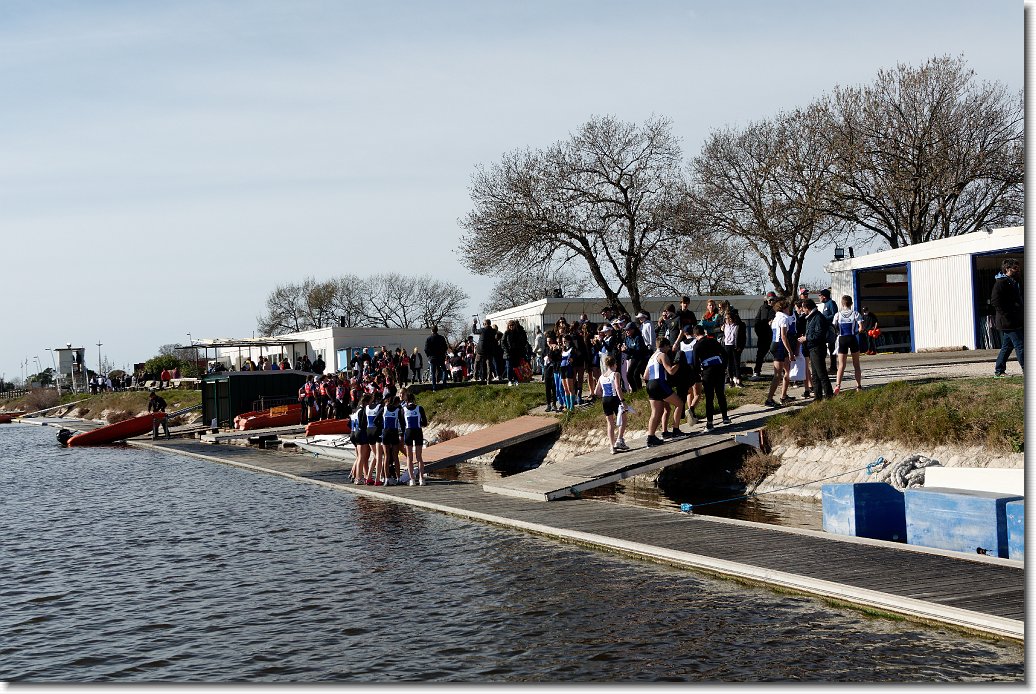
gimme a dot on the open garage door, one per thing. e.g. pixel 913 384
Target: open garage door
pixel 984 271
pixel 885 292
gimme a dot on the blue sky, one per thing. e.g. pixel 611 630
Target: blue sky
pixel 164 165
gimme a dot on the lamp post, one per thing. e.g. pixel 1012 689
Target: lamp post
pixel 99 343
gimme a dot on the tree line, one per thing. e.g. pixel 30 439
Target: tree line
pixel 921 153
pixel 384 300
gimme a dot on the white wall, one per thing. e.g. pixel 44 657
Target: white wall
pixel 942 309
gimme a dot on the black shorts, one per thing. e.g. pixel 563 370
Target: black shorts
pixel 657 389
pixel 611 405
pixel 778 351
pixel 566 372
pixel 848 344
pixel 390 437
pixel 413 437
pixel 373 435
pixel 359 438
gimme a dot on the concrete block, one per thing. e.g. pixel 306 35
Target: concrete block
pixel 866 509
pixel 1016 530
pixel 959 520
pixel 981 479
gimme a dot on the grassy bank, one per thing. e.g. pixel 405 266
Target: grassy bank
pixel 497 403
pixel 117 405
pixel 973 411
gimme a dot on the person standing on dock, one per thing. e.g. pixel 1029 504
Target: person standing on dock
pixel 414 422
pixel 156 403
pixel 307 396
pixel 358 437
pixel 828 308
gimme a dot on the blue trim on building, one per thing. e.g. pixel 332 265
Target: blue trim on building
pixel 910 304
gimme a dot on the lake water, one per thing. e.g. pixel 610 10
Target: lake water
pixel 123 565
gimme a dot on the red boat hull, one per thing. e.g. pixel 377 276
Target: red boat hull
pixel 328 426
pixel 118 431
pixel 264 420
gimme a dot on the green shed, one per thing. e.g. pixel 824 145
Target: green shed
pixel 230 393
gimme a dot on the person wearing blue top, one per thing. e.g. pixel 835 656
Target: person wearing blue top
pixel 360 440
pixel 660 368
pixel 391 423
pixel 414 422
pixel 848 324
pixel 609 387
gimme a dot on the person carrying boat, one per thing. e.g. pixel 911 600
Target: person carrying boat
pixel 414 422
pixel 156 403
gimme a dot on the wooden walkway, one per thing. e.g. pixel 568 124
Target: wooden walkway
pixel 253 433
pixel 492 438
pixel 983 594
pixel 570 477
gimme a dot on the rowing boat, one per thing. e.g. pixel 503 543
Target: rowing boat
pixel 118 431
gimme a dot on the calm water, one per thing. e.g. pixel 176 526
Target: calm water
pixel 122 565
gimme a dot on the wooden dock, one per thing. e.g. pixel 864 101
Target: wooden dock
pixel 571 477
pixel 492 438
pixel 224 436
pixel 973 592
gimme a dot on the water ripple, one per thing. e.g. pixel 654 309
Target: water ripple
pixel 131 566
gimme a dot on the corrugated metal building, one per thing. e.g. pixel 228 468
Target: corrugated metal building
pixel 931 296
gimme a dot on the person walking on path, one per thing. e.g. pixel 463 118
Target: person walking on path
pixel 1009 320
pixel 435 349
pixel 848 324
pixel 818 327
pixel 156 403
pixel 761 326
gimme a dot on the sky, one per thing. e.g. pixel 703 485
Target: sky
pixel 163 166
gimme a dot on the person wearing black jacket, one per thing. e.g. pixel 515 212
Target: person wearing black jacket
pixel 763 316
pixel 637 354
pixel 818 327
pixel 485 350
pixel 435 349
pixel 515 345
pixel 156 404
pixel 1009 320
pixel 710 355
pixel 551 359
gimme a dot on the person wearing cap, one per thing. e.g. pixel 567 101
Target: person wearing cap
pixel 636 353
pixel 647 328
pixel 761 325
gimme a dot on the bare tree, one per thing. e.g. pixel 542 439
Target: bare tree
pixel 389 300
pixel 760 186
pixel 521 286
pixel 924 153
pixel 285 311
pixel 609 196
pixel 704 264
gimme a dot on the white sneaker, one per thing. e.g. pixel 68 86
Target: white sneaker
pixel 412 483
pixel 420 482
